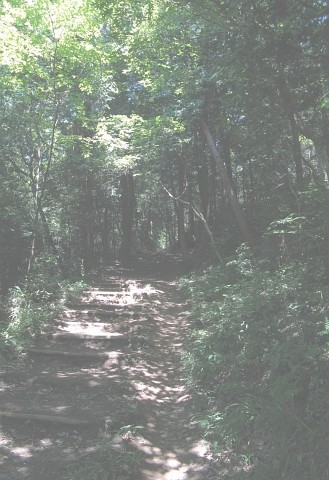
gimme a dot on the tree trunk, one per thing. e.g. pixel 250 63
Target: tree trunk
pixel 34 243
pixel 127 211
pixel 325 144
pixel 203 183
pixel 297 152
pixel 290 109
pixel 227 159
pixel 320 140
pixel 180 212
pixel 232 198
pixel 87 225
pixel 47 234
pixel 105 232
pixel 191 214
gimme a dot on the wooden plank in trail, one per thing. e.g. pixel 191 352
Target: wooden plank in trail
pixel 84 382
pixel 109 286
pixel 67 354
pixel 116 314
pixel 91 306
pixel 105 306
pixel 54 419
pixel 107 337
pixel 107 293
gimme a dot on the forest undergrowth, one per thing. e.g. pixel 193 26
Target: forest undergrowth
pixel 258 365
pixel 33 304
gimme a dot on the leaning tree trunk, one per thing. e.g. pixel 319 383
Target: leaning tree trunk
pixel 227 184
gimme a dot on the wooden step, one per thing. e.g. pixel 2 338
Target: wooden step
pixel 46 418
pixel 108 293
pixel 104 306
pixel 116 314
pixel 108 337
pixel 90 306
pixel 114 307
pixel 80 380
pixel 87 326
pixel 110 286
pixel 83 355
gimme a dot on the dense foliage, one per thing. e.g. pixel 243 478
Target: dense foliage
pixel 258 365
pixel 102 150
pixel 129 127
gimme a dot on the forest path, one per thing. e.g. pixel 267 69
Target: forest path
pixel 106 388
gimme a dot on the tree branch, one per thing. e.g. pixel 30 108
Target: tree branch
pixel 202 218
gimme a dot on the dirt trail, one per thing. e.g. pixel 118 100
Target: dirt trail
pixel 107 386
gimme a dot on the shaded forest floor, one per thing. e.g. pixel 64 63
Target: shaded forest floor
pixel 107 386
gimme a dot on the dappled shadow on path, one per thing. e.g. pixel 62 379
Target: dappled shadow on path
pixel 136 398
pixel 169 441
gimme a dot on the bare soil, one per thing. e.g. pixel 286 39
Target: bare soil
pixel 118 408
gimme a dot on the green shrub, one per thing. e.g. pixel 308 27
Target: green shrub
pixel 73 291
pixel 259 362
pixel 37 302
